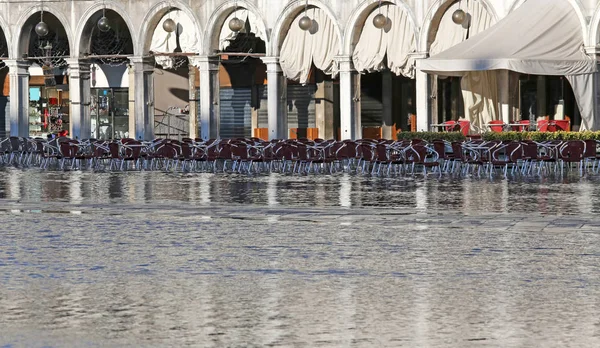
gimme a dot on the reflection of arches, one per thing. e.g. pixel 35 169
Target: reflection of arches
pixel 217 20
pixel 434 16
pixel 289 14
pixel 153 17
pixel 89 20
pixel 358 20
pixel 27 22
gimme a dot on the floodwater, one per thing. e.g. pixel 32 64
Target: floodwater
pixel 153 259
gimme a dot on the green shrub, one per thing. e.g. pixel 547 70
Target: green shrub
pixel 431 136
pixel 541 136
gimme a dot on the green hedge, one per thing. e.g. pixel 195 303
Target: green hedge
pixel 542 136
pixel 431 136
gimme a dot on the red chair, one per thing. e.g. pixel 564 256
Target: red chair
pixel 523 125
pixel 465 127
pixel 542 125
pixel 452 126
pixel 562 125
pixel 496 126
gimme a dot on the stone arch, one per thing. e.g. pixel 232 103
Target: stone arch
pixel 7 37
pixel 290 12
pixel 434 16
pixel 83 34
pixel 154 16
pixel 220 14
pixel 25 25
pixel 360 15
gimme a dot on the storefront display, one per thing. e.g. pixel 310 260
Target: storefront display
pixel 110 113
pixel 48 110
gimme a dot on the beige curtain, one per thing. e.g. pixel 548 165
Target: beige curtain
pixel 396 39
pixel 318 45
pixel 480 95
pixel 250 21
pixel 165 42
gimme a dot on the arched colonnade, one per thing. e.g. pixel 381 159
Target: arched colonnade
pixel 78 59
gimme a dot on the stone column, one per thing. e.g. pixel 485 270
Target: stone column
pixel 541 97
pixel 19 97
pixel 144 97
pixel 193 103
pixel 80 126
pixel 209 96
pixel 350 126
pixel 387 104
pixel 276 99
pixel 131 98
pixel 504 96
pixel 423 105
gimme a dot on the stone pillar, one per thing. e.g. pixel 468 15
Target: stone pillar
pixel 131 98
pixel 209 96
pixel 350 127
pixel 324 109
pixel 387 96
pixel 193 103
pixel 19 97
pixel 80 126
pixel 277 99
pixel 541 97
pixel 144 98
pixel 504 96
pixel 423 105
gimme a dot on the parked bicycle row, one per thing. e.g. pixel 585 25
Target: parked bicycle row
pixel 304 156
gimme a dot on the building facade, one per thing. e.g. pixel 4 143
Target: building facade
pixel 265 68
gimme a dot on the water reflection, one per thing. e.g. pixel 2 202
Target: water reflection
pixel 469 195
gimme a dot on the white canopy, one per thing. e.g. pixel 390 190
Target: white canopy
pixel 164 42
pixel 542 37
pixel 396 40
pixel 318 45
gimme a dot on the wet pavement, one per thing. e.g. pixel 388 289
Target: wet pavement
pixel 155 259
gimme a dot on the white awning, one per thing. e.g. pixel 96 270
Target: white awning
pixel 541 37
pixel 251 23
pixel 396 40
pixel 318 45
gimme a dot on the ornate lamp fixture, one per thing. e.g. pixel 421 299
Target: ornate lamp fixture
pixel 169 24
pixel 236 24
pixel 459 16
pixel 41 29
pixel 380 20
pixel 103 23
pixel 305 22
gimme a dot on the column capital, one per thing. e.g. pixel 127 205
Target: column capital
pixel 272 64
pixel 18 66
pixel 418 55
pixel 142 63
pixel 270 60
pixel 592 50
pixel 205 62
pixel 346 63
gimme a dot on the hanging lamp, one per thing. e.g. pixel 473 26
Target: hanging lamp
pixel 380 20
pixel 103 23
pixel 169 24
pixel 305 22
pixel 236 24
pixel 41 29
pixel 459 16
